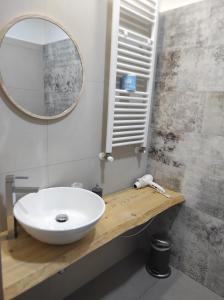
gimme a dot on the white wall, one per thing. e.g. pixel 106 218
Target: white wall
pixel 172 4
pixel 62 152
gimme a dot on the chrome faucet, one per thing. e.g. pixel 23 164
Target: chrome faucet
pixel 10 192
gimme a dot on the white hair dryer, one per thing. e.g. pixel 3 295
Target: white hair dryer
pixel 147 180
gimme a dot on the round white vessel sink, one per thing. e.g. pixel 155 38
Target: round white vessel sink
pixel 59 215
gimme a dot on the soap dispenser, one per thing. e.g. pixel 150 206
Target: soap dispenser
pixel 98 190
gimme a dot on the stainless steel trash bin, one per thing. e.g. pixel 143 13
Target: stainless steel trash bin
pixel 159 258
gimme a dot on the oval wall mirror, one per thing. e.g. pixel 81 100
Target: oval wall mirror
pixel 41 68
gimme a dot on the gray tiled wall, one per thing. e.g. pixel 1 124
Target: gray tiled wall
pixel 187 151
pixel 63 76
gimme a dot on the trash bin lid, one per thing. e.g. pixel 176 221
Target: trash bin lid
pixel 161 240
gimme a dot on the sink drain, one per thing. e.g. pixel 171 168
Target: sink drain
pixel 61 218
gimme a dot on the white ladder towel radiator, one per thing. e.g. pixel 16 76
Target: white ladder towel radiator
pixel 133 50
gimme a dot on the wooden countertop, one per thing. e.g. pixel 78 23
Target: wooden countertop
pixel 27 262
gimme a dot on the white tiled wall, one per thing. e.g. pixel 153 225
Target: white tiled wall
pixel 59 153
pixel 65 151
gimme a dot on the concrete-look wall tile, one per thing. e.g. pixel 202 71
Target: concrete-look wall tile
pixel 168 64
pixel 211 192
pixel 163 148
pixel 61 60
pixel 174 149
pixel 178 111
pixel 187 146
pixel 212 147
pixel 214 279
pixel 207 195
pixel 203 183
pixel 192 29
pixel 211 74
pixel 167 5
pixel 203 228
pixel 215 231
pixel 213 121
pixel 167 175
pixel 194 235
pixel 190 249
pixel 180 69
pixel 86 21
pixel 189 257
pixel 216 23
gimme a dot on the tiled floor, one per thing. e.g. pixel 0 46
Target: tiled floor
pixel 128 280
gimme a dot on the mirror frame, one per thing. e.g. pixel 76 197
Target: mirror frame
pixel 3 88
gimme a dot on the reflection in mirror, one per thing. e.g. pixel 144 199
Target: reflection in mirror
pixel 41 68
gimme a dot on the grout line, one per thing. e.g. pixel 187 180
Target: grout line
pixel 70 161
pixel 147 290
pixel 49 165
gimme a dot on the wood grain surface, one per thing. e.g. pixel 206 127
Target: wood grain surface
pixel 27 262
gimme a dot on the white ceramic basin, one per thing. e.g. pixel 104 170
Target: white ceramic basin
pixel 59 215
